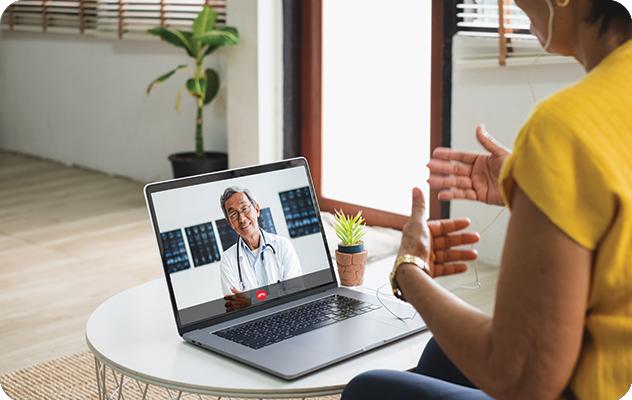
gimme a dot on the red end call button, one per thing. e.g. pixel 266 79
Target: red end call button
pixel 261 295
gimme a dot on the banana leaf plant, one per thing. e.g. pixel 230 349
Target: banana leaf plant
pixel 202 40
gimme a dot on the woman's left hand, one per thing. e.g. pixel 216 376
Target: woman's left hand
pixel 433 241
pixel 444 238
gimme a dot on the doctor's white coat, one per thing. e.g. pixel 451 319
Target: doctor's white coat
pixel 280 267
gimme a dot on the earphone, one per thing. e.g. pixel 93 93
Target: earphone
pixel 544 49
pixel 478 282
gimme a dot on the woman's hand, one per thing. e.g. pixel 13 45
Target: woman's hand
pixel 421 238
pixel 475 176
pixel 416 238
pixel 443 239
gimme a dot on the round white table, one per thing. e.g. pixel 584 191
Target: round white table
pixel 134 334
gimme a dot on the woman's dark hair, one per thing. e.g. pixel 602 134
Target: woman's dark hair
pixel 609 10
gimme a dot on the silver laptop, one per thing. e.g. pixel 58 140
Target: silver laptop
pixel 278 308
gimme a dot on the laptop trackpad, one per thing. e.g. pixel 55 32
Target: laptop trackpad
pixel 355 334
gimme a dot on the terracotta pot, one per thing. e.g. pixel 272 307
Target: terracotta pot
pixel 351 267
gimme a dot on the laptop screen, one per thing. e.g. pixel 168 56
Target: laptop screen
pixel 265 244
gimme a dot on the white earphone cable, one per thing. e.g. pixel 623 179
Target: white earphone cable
pixel 546 46
pixel 478 282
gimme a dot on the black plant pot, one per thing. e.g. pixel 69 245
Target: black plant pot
pixel 186 164
pixel 353 249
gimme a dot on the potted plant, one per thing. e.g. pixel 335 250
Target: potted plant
pixel 203 39
pixel 350 256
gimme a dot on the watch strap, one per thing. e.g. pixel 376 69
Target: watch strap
pixel 407 259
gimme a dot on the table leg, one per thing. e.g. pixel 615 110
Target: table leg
pixel 123 389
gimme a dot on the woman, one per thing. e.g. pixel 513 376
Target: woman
pixel 562 325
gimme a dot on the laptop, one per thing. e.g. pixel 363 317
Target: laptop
pixel 289 320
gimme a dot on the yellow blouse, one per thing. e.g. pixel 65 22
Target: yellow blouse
pixel 573 159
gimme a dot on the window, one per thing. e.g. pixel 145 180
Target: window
pixel 312 107
pixel 481 19
pixel 122 18
pixel 376 102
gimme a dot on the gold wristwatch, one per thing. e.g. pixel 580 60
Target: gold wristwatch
pixel 407 259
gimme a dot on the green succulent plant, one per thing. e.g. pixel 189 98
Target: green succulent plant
pixel 349 230
pixel 202 40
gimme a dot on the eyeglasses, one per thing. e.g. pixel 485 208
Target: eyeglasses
pixel 235 215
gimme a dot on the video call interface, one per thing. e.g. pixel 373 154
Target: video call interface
pixel 195 236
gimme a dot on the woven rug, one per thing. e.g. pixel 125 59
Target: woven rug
pixel 74 377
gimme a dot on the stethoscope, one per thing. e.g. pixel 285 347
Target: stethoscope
pixel 265 246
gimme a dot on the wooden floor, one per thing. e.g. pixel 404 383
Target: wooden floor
pixel 69 240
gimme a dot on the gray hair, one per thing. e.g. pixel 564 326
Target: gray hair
pixel 231 190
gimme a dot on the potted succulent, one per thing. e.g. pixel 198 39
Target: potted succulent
pixel 350 256
pixel 203 39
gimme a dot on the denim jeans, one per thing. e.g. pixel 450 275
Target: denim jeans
pixel 434 378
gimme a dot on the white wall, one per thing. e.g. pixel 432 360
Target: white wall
pixel 82 101
pixel 255 78
pixel 499 97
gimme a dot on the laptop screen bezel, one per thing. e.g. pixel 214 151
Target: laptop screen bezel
pixel 226 176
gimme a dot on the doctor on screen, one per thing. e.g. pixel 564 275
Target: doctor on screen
pixel 258 258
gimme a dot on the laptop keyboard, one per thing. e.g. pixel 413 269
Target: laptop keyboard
pixel 274 328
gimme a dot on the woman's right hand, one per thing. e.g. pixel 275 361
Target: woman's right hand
pixel 474 176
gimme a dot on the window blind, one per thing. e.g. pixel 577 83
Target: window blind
pixel 51 16
pixel 481 18
pixel 116 18
pixel 135 17
pixel 497 19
